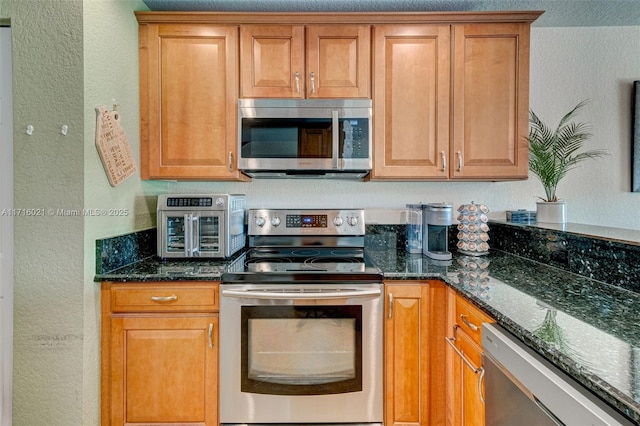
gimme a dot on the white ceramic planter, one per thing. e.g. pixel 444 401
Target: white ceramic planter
pixel 551 212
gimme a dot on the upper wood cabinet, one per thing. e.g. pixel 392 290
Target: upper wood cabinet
pixel 485 101
pixel 411 98
pixel 450 90
pixel 490 101
pixel 188 95
pixel 298 61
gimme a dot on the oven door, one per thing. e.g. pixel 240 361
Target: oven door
pixel 184 233
pixel 301 354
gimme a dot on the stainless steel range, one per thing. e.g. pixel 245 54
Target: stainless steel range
pixel 301 318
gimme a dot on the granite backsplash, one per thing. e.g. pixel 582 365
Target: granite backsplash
pixel 601 259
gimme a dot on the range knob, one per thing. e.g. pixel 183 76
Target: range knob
pixel 352 220
pixel 337 221
pixel 219 202
pixel 275 221
pixel 260 221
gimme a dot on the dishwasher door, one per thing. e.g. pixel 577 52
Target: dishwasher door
pixel 522 388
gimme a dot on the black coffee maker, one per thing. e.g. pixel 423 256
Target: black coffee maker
pixel 435 238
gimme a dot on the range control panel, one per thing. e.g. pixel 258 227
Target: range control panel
pixel 306 222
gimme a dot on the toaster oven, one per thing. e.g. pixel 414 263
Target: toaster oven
pixel 200 225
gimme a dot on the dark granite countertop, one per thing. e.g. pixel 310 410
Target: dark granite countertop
pixel 588 328
pixel 153 268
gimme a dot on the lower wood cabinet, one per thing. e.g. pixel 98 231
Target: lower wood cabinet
pixel 465 386
pixel 415 322
pixel 159 353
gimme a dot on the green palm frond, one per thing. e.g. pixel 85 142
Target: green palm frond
pixel 553 153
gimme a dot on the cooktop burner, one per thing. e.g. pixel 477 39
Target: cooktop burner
pixel 302 265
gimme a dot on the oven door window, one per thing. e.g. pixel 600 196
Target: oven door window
pixel 301 350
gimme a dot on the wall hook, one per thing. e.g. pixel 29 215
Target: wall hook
pixel 64 129
pixel 115 104
pixel 29 129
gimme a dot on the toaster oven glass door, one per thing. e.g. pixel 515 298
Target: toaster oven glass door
pixel 192 234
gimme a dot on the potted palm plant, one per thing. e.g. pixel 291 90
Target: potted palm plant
pixel 552 154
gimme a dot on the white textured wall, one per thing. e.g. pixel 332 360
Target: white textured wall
pixel 111 72
pixel 57 317
pixel 49 275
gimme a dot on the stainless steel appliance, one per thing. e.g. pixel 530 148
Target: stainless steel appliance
pixel 522 388
pixel 301 318
pixel 200 225
pixel 435 241
pixel 305 138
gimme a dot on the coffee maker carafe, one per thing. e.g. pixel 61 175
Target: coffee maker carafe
pixel 435 239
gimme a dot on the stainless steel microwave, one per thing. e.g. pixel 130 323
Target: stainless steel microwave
pixel 200 225
pixel 329 138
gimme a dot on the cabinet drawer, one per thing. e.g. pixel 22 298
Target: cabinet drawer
pixel 164 298
pixel 470 319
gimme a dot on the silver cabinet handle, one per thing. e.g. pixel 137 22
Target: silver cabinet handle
pixel 297 82
pixel 164 298
pixel 211 335
pixel 459 161
pixel 451 341
pixel 480 382
pixel 468 323
pixel 230 164
pixel 444 161
pixel 390 305
pixel 313 82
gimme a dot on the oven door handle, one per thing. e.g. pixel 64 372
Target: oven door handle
pixel 306 295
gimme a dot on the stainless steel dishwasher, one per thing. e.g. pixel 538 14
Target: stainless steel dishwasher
pixel 522 388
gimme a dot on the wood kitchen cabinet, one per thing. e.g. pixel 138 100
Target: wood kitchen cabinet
pixel 159 353
pixel 490 101
pixel 298 61
pixel 470 78
pixel 411 101
pixel 188 96
pixel 415 321
pixel 465 388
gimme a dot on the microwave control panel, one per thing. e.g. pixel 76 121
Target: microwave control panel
pixel 356 138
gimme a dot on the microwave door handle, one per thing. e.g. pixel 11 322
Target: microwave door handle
pixel 335 139
pixel 187 234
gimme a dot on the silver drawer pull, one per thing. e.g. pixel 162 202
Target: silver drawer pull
pixel 164 298
pixel 468 323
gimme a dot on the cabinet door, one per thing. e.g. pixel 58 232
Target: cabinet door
pixel 338 61
pixel 188 88
pixel 164 370
pixel 272 61
pixel 467 382
pixel 491 101
pixel 411 101
pixel 414 353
